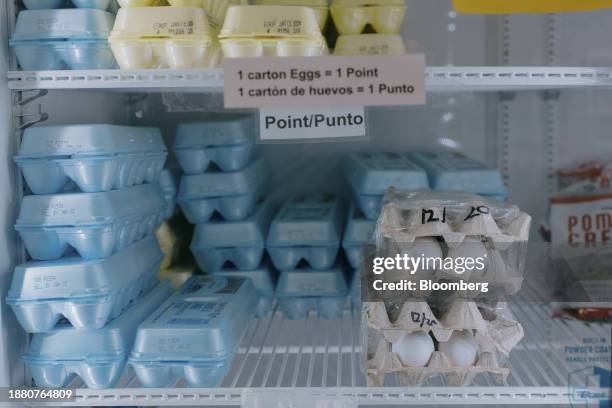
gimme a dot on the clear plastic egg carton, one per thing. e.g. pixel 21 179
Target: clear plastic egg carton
pixel 308 227
pixel 264 279
pixel 418 345
pixel 370 175
pixel 109 5
pixel 87 293
pixel 96 225
pixel 454 225
pixel 94 157
pixel 209 315
pixel 226 140
pixel 303 290
pixel 284 31
pixel 97 357
pixel 233 195
pixel 241 243
pixel 63 39
pixel 164 37
pixel 384 16
pixel 370 44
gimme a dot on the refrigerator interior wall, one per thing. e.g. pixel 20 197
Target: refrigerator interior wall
pixel 525 134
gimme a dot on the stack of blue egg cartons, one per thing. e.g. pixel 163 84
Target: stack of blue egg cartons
pixel 194 335
pixel 223 192
pixel 50 37
pixel 303 243
pixel 88 228
pixel 369 176
pixel 453 171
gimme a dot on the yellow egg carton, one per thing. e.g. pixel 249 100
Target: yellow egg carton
pixel 352 16
pixel 493 335
pixel 284 31
pixel 142 3
pixel 164 37
pixel 215 8
pixel 320 7
pixel 528 6
pixel 370 44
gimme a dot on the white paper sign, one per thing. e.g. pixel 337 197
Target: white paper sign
pixel 273 82
pixel 311 123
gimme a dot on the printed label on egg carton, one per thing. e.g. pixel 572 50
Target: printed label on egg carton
pixel 495 333
pixel 463 224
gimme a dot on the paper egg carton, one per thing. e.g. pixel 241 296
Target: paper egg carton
pixel 455 219
pixel 496 334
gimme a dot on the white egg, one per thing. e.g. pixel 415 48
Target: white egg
pixel 414 349
pixel 470 249
pixel 426 248
pixel 461 349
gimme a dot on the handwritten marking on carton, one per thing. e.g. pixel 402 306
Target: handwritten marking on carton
pixel 421 319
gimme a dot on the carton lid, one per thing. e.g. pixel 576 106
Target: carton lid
pixel 370 44
pixel 85 24
pixel 270 21
pixel 366 3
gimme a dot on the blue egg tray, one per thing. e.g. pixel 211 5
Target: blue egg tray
pixel 226 140
pixel 355 289
pixel 263 278
pixel 194 334
pixel 94 224
pixel 300 291
pixel 308 227
pixel 54 4
pixel 94 157
pixel 63 39
pixel 357 233
pixel 231 194
pixel 371 174
pixel 453 171
pixel 99 356
pixel 169 180
pixel 242 242
pixel 87 293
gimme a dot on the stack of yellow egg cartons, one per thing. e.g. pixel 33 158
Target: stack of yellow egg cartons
pixel 266 30
pixel 149 34
pixel 382 19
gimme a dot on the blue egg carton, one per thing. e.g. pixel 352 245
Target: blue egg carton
pixel 99 356
pixel 94 157
pixel 241 242
pixel 358 232
pixel 264 279
pixel 355 289
pixel 233 195
pixel 63 39
pixel 87 293
pixel 194 334
pixel 226 140
pixel 169 180
pixel 308 227
pixel 454 171
pixel 370 175
pixel 96 225
pixel 300 291
pixel 55 4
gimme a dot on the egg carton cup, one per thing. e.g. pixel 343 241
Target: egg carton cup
pixel 39 308
pixel 63 55
pixel 167 374
pixel 273 47
pixel 353 19
pixel 98 357
pixel 370 44
pixel 227 158
pixel 94 174
pixel 96 225
pixel 327 307
pixel 318 257
pixel 166 53
pixel 496 336
pixel 358 232
pixel 231 208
